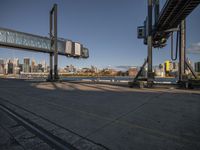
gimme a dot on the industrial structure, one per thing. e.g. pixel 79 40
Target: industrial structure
pixel 52 45
pixel 159 26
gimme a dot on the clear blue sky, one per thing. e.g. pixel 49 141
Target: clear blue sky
pixel 107 27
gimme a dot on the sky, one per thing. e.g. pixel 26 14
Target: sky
pixel 107 27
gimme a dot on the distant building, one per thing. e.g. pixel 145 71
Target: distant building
pixel 132 71
pixel 44 65
pixel 94 69
pixel 174 69
pixel 2 66
pixel 40 68
pixel 16 66
pixel 197 66
pixel 187 70
pixel 175 66
pixel 20 68
pixel 168 67
pixel 26 65
pixel 33 66
pixel 70 69
pixel 10 67
pixel 159 70
pixel 7 61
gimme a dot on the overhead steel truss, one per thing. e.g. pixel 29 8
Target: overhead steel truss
pixel 173 12
pixel 171 18
pixel 30 42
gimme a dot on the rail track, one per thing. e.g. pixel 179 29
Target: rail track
pixel 45 135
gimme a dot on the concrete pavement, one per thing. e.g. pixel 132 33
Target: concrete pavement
pixel 114 117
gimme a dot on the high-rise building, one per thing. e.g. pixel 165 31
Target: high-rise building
pixel 10 67
pixel 16 66
pixel 2 66
pixel 33 66
pixel 197 66
pixel 168 67
pixel 26 66
pixel 16 62
pixel 40 68
pixel 6 66
pixel 44 65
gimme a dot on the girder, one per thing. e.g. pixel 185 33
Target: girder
pixel 30 42
pixel 173 12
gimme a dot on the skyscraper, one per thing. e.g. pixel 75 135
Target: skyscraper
pixel 44 66
pixel 2 66
pixel 33 65
pixel 197 66
pixel 16 66
pixel 10 67
pixel 26 66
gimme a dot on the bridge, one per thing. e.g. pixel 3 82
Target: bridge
pixel 15 39
pixel 173 12
pixel 52 45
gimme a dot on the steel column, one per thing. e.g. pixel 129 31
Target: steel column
pixel 51 66
pixel 56 45
pixel 182 44
pixel 53 37
pixel 50 55
pixel 149 42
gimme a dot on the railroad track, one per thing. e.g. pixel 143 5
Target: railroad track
pixel 46 136
pixel 53 140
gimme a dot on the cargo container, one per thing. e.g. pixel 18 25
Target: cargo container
pixel 68 47
pixel 85 52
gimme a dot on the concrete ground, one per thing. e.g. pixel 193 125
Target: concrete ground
pixel 118 118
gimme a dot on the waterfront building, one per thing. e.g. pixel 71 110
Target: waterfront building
pixel 168 65
pixel 33 66
pixel 10 67
pixel 26 65
pixel 2 66
pixel 16 65
pixel 132 71
pixel 44 65
pixel 197 66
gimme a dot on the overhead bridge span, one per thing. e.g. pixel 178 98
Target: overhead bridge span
pixel 30 42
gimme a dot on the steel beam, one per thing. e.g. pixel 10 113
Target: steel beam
pixel 54 39
pixel 182 44
pixel 156 10
pixel 140 71
pixel 51 66
pixel 56 44
pixel 149 42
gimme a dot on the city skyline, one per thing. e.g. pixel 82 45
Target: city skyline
pixel 30 65
pixel 111 39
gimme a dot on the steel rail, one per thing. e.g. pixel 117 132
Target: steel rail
pixel 46 136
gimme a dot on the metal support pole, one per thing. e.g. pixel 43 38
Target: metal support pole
pixel 156 10
pixel 149 42
pixel 51 66
pixel 51 55
pixel 182 44
pixel 53 37
pixel 55 42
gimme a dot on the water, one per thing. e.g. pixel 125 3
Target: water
pixel 117 79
